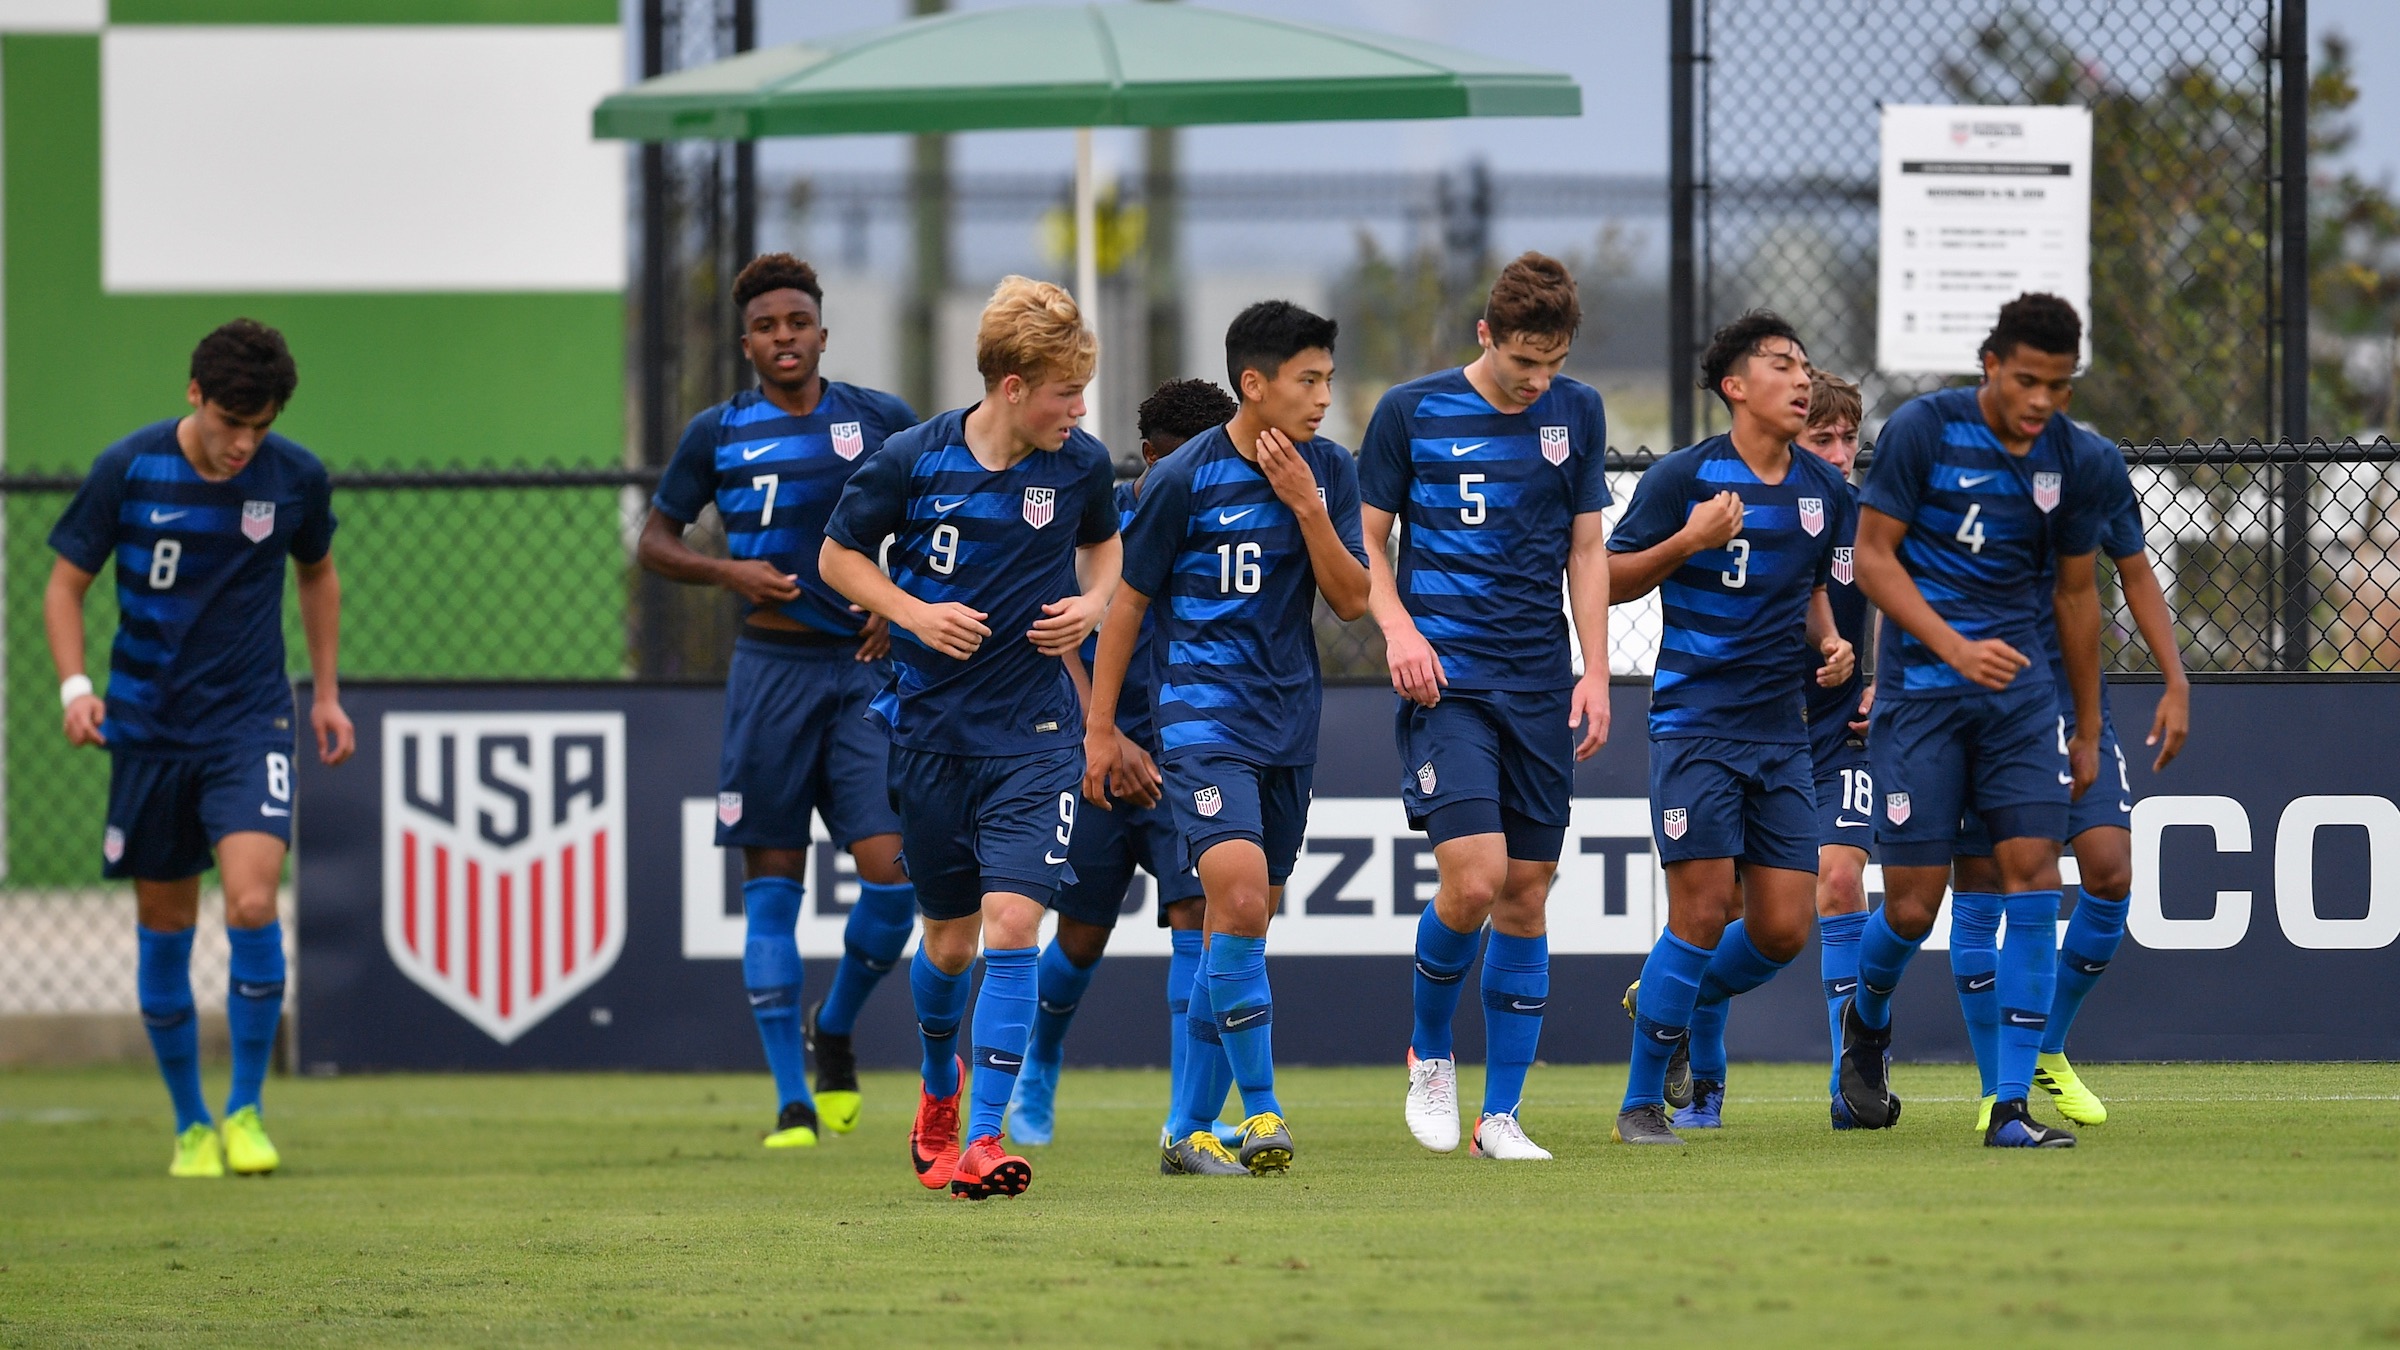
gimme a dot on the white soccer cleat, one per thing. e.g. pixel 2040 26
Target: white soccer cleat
pixel 1499 1136
pixel 1433 1102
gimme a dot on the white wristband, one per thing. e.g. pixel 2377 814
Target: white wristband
pixel 73 688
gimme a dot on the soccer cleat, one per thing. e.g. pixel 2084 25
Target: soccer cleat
pixel 837 1073
pixel 1228 1135
pixel 1983 1116
pixel 984 1170
pixel 2052 1074
pixel 2014 1127
pixel 197 1154
pixel 1707 1111
pixel 1498 1136
pixel 1433 1102
pixel 795 1127
pixel 1866 1072
pixel 248 1151
pixel 1266 1144
pixel 1645 1125
pixel 933 1140
pixel 1033 1104
pixel 1679 1062
pixel 1841 1114
pixel 1199 1154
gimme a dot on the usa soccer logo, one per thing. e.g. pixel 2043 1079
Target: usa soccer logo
pixel 1425 778
pixel 2045 490
pixel 504 859
pixel 1812 515
pixel 258 520
pixel 847 442
pixel 1843 566
pixel 1208 801
pixel 112 844
pixel 1041 504
pixel 1895 807
pixel 1554 444
pixel 1675 820
pixel 729 809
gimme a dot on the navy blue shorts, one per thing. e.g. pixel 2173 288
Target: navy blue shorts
pixel 2109 801
pixel 2000 754
pixel 798 740
pixel 1717 798
pixel 1108 846
pixel 1490 761
pixel 971 826
pixel 1845 795
pixel 1217 796
pixel 167 812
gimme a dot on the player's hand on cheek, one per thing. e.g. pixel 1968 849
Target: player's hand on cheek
pixel 761 582
pixel 1099 765
pixel 1286 472
pixel 1066 623
pixel 1590 710
pixel 1416 668
pixel 336 737
pixel 84 717
pixel 874 637
pixel 2170 725
pixel 953 629
pixel 1839 661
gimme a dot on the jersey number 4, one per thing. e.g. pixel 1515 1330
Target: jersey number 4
pixel 1970 530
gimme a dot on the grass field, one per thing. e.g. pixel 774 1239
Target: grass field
pixel 2242 1203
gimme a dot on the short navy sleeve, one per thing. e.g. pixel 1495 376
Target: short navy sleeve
pixel 1591 467
pixel 1903 456
pixel 87 532
pixel 1655 513
pixel 1099 522
pixel 690 480
pixel 1340 477
pixel 2075 524
pixel 1383 462
pixel 314 538
pixel 875 500
pixel 2122 534
pixel 1155 534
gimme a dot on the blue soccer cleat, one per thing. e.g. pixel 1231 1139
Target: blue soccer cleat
pixel 1033 1106
pixel 2013 1126
pixel 1707 1111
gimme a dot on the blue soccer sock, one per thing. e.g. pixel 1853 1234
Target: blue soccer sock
pixel 1975 968
pixel 1837 967
pixel 1443 955
pixel 1183 966
pixel 163 982
pixel 1662 1016
pixel 1003 1021
pixel 941 1001
pixel 872 940
pixel 2028 982
pixel 1516 989
pixel 1206 1073
pixel 1236 973
pixel 1735 968
pixel 253 1007
pixel 2093 932
pixel 1883 957
pixel 771 974
pixel 1059 988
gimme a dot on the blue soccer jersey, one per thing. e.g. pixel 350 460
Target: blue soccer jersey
pixel 1487 502
pixel 1831 711
pixel 198 662
pixel 1003 543
pixel 2122 533
pixel 1734 646
pixel 1983 525
pixel 1228 574
pixel 775 478
pixel 1134 697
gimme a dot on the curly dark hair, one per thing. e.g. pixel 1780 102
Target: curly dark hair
pixel 1185 408
pixel 2038 320
pixel 1736 342
pixel 1271 332
pixel 775 272
pixel 245 368
pixel 1533 298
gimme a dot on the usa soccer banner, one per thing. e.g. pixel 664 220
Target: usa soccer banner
pixel 517 877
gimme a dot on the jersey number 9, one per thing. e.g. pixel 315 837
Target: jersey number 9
pixel 166 559
pixel 943 557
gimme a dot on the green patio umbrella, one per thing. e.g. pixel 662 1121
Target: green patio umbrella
pixel 1079 66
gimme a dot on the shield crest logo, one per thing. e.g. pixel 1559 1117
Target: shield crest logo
pixel 729 809
pixel 1554 444
pixel 504 859
pixel 112 844
pixel 1674 821
pixel 1425 778
pixel 847 442
pixel 1843 565
pixel 1895 807
pixel 2045 491
pixel 1812 515
pixel 1041 504
pixel 258 520
pixel 1208 801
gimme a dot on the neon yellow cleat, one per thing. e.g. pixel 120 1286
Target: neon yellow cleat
pixel 248 1151
pixel 839 1110
pixel 1983 1117
pixel 2052 1074
pixel 197 1154
pixel 795 1127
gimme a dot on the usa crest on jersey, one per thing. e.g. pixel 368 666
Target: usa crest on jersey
pixel 1674 821
pixel 1895 808
pixel 1844 566
pixel 1041 504
pixel 504 859
pixel 1208 801
pixel 1812 515
pixel 847 441
pixel 729 809
pixel 258 520
pixel 1425 778
pixel 2045 490
pixel 1554 444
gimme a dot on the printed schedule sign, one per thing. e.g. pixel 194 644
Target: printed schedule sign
pixel 1979 205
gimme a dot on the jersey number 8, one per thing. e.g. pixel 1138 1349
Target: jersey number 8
pixel 166 559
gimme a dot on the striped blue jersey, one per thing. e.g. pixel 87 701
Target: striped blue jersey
pixel 1983 525
pixel 1133 699
pixel 2121 529
pixel 1003 543
pixel 1228 574
pixel 774 479
pixel 198 661
pixel 1830 711
pixel 1734 643
pixel 1487 502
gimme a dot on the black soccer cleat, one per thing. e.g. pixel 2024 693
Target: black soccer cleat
pixel 1646 1125
pixel 1866 1072
pixel 837 1073
pixel 2013 1126
pixel 1679 1060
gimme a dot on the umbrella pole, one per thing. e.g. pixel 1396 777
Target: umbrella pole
pixel 1087 259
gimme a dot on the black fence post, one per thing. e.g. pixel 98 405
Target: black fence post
pixel 2299 639
pixel 1683 300
pixel 651 378
pixel 745 192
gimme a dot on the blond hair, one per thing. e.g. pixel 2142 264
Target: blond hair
pixel 1832 400
pixel 1033 330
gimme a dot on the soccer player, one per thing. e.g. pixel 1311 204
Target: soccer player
pixel 1977 500
pixel 1845 794
pixel 1237 533
pixel 773 460
pixel 1500 470
pixel 994 511
pixel 1136 830
pixel 200 513
pixel 1737 534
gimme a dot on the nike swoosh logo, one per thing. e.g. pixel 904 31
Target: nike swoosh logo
pixel 748 455
pixel 945 508
pixel 1841 987
pixel 1052 859
pixel 1522 1006
pixel 162 517
pixel 2126 807
pixel 1843 823
pixel 1976 480
pixel 1666 1035
pixel 1237 1022
pixel 2066 780
pixel 258 990
pixel 266 810
pixel 1004 1064
pixel 1976 984
pixel 758 999
pixel 1228 517
pixel 2016 1019
pixel 1468 449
